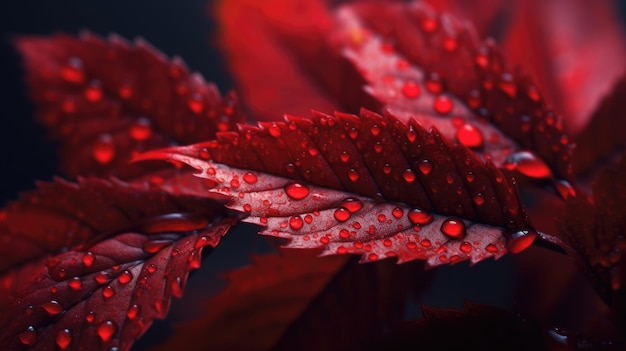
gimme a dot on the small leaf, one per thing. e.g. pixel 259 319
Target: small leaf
pixel 594 229
pixel 368 185
pixel 429 66
pixel 283 299
pixel 95 263
pixel 106 100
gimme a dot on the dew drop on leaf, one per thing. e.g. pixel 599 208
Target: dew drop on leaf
pixel 466 247
pixel 470 136
pixel 443 104
pixel 132 312
pixel 342 214
pixel 90 317
pixel 409 176
pixel 75 284
pixel 152 268
pixel 528 164
pixel 29 336
pixel 64 338
pixel 52 307
pixel 375 130
pixel 250 178
pixel 73 71
pixel 88 259
pixel 104 150
pixel 417 216
pixel 410 89
pixel 341 250
pixel 397 212
pixel 425 167
pixel 296 222
pixel 344 157
pixel 479 199
pixel 108 292
pixel 141 129
pixel 520 240
pixel 125 277
pixel 106 330
pixel 93 91
pixel 297 191
pixel 454 228
pixel 491 248
pixel 274 131
pixel 353 175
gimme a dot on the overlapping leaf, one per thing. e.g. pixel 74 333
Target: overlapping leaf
pixel 106 100
pixel 281 300
pixel 594 227
pixel 368 184
pixel 93 264
pixel 482 327
pixel 430 66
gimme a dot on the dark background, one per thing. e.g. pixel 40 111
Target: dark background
pixel 180 28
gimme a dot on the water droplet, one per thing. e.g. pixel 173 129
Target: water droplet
pixel 397 212
pixel 324 240
pixel 108 292
pixel 344 233
pixel 387 169
pixel 125 277
pixel 247 207
pixel 470 176
pixel 491 248
pixel 528 164
pixel 434 84
pixel 93 91
pixel 341 250
pixel 425 167
pixel 100 278
pixel 353 175
pixel 533 93
pixel 141 129
pixel 250 178
pixel 454 228
pixel 154 246
pixel 125 91
pixel 466 247
pixel 479 199
pixel 429 25
pixel 75 283
pixel 409 176
pixel 29 336
pixel 342 214
pixel 450 44
pixel 443 104
pixel 104 149
pixel 152 268
pixel 132 312
pixel 274 131
pixel 417 216
pixel 88 259
pixel 73 71
pixel 106 330
pixel 176 286
pixel 375 130
pixel 344 157
pixel 353 133
pixel 410 89
pixel 520 240
pixel 297 191
pixel 470 136
pixel 378 147
pixel 296 223
pixel 381 218
pixel 64 338
pixel 507 85
pixel 204 154
pixel 195 103
pixel 482 60
pixel 52 307
pixel 90 317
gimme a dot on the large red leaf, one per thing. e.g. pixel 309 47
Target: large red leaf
pixel 91 265
pixel 369 185
pixel 594 228
pixel 298 300
pixel 106 100
pixel 431 67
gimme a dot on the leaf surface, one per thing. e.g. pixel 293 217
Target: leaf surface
pixel 93 264
pixel 368 185
pixel 282 299
pixel 106 100
pixel 430 66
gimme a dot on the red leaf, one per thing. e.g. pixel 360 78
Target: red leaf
pixel 430 66
pixel 284 58
pixel 482 327
pixel 281 300
pixel 594 228
pixel 604 134
pixel 107 100
pixel 95 263
pixel 574 50
pixel 369 185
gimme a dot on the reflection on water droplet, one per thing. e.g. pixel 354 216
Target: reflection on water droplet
pixel 108 292
pixel 250 178
pixel 528 164
pixel 409 176
pixel 125 277
pixel 297 191
pixel 454 228
pixel 103 149
pixel 470 136
pixel 141 129
pixel 520 240
pixel 353 175
pixel 29 336
pixel 417 216
pixel 342 214
pixel 52 307
pixel 425 167
pixel 296 222
pixel 106 330
pixel 75 283
pixel 443 104
pixel 64 338
pixel 410 89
